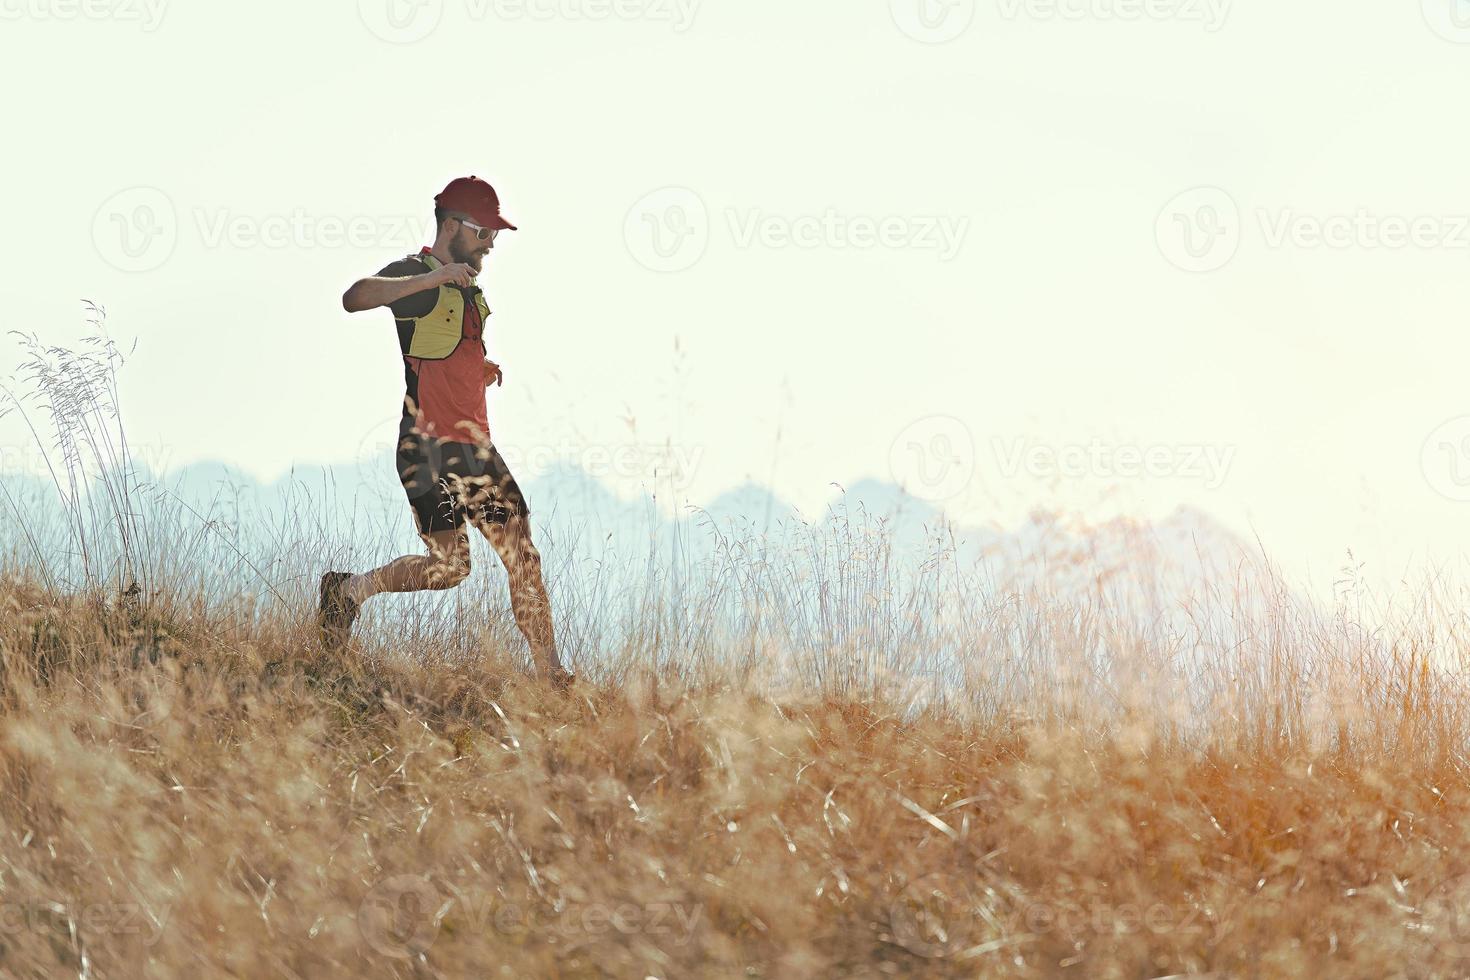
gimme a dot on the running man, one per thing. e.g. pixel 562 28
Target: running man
pixel 447 464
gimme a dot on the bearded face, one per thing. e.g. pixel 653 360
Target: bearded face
pixel 466 247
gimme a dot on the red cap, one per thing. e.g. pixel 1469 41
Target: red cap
pixel 474 197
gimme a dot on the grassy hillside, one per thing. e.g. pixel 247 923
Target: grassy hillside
pixel 787 759
pixel 188 791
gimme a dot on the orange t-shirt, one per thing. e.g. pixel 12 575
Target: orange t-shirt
pixel 444 398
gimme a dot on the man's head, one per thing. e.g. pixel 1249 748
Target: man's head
pixel 469 219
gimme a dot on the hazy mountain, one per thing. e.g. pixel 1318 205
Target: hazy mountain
pixel 1167 564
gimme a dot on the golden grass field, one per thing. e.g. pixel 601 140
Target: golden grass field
pixel 803 767
pixel 184 792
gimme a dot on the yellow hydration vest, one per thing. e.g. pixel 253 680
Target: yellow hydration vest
pixel 436 334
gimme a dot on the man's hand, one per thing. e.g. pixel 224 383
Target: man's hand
pixel 455 274
pixel 493 374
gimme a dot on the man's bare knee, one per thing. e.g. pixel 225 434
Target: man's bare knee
pixel 449 554
pixel 512 542
pixel 447 573
pixel 526 554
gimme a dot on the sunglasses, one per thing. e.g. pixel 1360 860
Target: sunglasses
pixel 481 232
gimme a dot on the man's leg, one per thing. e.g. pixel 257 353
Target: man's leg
pixel 440 522
pixel 342 594
pixel 446 565
pixel 528 599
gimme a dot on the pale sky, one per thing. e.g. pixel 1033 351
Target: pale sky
pixel 1106 255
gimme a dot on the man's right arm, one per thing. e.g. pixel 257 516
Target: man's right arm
pixel 376 291
pixel 399 281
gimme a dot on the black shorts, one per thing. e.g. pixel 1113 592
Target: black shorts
pixel 449 483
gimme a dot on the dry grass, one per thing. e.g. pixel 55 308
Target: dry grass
pixel 787 760
pixel 190 793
